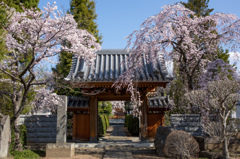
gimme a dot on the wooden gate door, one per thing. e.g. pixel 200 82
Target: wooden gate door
pixel 154 120
pixel 81 126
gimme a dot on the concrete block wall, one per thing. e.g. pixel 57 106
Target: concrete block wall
pixel 190 123
pixel 41 129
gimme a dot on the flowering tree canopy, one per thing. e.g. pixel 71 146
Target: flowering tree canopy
pixel 34 36
pixel 220 97
pixel 118 105
pixel 190 41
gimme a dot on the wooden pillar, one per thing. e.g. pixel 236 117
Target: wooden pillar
pixel 93 118
pixel 143 120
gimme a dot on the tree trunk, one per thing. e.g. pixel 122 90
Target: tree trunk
pixel 224 138
pixel 225 151
pixel 18 145
pixel 15 121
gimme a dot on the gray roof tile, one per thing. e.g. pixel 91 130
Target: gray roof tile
pixel 108 67
pixel 158 102
pixel 78 102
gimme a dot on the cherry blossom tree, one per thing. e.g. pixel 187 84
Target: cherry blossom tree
pixel 118 105
pixel 220 96
pixel 33 37
pixel 217 95
pixel 189 41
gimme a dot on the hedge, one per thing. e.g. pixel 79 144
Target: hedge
pixel 127 120
pixel 107 120
pixel 103 123
pixel 132 123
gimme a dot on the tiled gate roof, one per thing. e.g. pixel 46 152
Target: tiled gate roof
pixel 158 102
pixel 107 67
pixel 78 102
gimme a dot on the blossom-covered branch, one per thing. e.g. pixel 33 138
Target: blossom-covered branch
pixel 189 41
pixel 32 37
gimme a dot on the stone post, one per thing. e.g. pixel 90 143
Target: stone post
pixel 143 121
pixel 4 136
pixel 62 120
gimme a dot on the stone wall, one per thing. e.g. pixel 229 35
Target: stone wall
pixel 4 136
pixel 41 129
pixel 190 123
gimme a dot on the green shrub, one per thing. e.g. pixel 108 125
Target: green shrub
pixel 102 127
pixel 25 154
pixel 104 123
pixel 132 123
pixel 23 135
pixel 127 118
pixel 134 130
pixel 107 120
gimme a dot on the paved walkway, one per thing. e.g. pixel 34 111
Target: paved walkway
pixel 116 144
pixel 117 134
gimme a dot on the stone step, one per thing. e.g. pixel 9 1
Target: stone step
pixel 118 148
pixel 143 150
pixel 89 150
pixel 113 148
pixel 116 155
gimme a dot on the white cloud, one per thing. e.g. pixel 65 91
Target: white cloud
pixel 234 58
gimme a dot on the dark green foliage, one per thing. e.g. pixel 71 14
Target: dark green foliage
pixel 134 129
pixel 65 59
pixel 107 120
pixel 85 15
pixel 3 22
pixel 69 125
pixel 102 125
pixel 23 135
pixel 224 55
pixel 200 7
pixel 26 3
pixel 132 123
pixel 127 120
pixel 61 71
pixel 104 108
pixel 12 145
pixel 25 154
pixel 23 138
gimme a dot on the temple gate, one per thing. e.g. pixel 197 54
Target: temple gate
pixel 97 79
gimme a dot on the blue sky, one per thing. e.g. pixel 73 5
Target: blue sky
pixel 118 18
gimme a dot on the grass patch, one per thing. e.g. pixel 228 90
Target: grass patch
pixel 25 154
pixel 40 153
